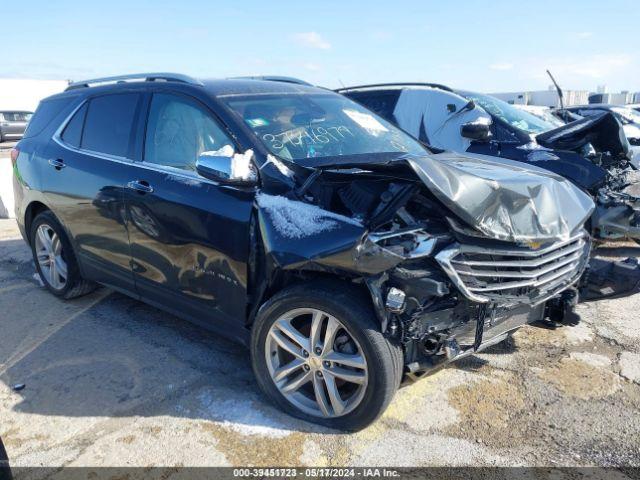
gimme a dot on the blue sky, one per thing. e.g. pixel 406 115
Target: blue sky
pixel 482 45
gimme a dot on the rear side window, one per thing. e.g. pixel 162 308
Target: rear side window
pixel 72 133
pixel 46 111
pixel 108 124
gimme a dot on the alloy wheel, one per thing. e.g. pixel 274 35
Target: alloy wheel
pixel 50 257
pixel 315 363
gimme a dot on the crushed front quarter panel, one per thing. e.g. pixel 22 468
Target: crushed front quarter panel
pixel 604 132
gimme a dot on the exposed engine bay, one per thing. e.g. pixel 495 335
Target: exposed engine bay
pixel 452 249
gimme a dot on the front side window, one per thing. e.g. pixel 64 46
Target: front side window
pixel 108 124
pixel 180 130
pixel 298 126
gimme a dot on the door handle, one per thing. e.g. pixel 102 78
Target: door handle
pixel 57 164
pixel 140 186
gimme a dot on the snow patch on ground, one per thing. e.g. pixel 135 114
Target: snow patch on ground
pixel 592 359
pixel 293 219
pixel 242 416
pixel 630 366
pixel 579 333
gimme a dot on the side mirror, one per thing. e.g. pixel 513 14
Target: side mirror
pixel 478 131
pixel 227 167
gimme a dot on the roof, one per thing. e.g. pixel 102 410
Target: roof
pixel 247 86
pixel 394 85
pixel 214 87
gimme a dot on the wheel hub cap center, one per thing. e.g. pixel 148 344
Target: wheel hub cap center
pixel 315 363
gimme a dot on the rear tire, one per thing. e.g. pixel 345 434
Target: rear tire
pixel 55 259
pixel 357 335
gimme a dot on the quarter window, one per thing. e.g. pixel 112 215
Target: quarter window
pixel 179 130
pixel 108 124
pixel 72 133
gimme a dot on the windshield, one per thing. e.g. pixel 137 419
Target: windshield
pixel 508 113
pixel 300 126
pixel 627 114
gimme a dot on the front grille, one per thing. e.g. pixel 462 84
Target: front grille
pixel 518 274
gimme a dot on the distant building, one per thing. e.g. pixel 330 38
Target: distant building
pixel 621 98
pixel 24 94
pixel 545 98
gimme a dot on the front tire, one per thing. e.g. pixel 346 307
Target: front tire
pixel 55 259
pixel 318 353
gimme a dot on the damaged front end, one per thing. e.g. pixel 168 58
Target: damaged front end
pixel 617 213
pixel 455 251
pixel 601 139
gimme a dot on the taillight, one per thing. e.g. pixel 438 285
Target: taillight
pixel 14 156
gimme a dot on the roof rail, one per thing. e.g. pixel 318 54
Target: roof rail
pixel 399 84
pixel 145 77
pixel 275 78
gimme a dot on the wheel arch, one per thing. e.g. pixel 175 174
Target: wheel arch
pixel 31 212
pixel 283 279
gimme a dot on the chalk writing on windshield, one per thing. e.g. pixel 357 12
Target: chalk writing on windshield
pixel 305 136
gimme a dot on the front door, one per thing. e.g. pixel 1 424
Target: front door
pixel 189 236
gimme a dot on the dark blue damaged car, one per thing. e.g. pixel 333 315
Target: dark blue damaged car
pixel 593 152
pixel 348 257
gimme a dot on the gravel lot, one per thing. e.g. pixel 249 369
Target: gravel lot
pixel 111 381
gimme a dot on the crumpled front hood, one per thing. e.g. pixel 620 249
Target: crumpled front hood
pixel 604 132
pixel 504 199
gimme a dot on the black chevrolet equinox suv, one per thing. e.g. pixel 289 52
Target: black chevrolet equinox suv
pixel 347 257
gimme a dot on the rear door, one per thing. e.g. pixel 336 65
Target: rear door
pixel 88 164
pixel 189 235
